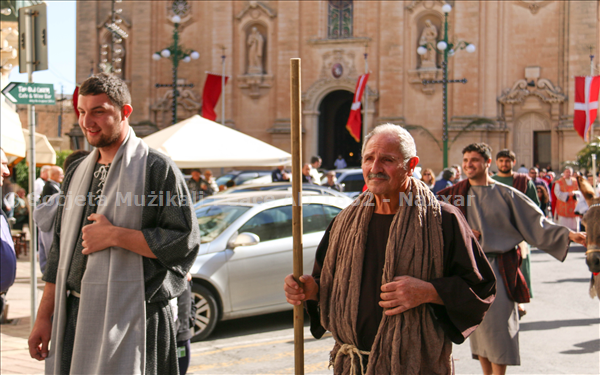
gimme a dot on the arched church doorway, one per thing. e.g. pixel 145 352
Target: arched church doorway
pixel 334 138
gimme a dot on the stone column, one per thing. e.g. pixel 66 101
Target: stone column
pixel 310 124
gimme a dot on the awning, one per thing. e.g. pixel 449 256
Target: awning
pixel 201 143
pixel 11 133
pixel 44 152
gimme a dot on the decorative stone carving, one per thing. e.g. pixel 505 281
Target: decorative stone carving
pixel 544 89
pixel 255 85
pixel 429 38
pixel 317 91
pixel 113 60
pixel 255 46
pixel 256 26
pixel 254 8
pixel 533 6
pixel 181 8
pixel 186 99
pixel 427 4
pixel 338 56
pixel 418 75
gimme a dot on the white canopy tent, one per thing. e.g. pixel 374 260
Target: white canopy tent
pixel 11 131
pixel 44 152
pixel 200 143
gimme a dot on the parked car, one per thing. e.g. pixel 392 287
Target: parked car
pixel 279 186
pixel 351 179
pixel 246 251
pixel 239 177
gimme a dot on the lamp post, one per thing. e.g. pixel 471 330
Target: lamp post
pixel 446 48
pixel 176 53
pixel 117 36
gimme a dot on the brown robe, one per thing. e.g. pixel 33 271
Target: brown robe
pixel 467 288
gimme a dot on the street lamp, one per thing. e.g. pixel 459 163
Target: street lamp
pixel 117 36
pixel 176 53
pixel 446 48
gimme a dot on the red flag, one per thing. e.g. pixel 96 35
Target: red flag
pixel 586 104
pixel 354 121
pixel 210 95
pixel 75 100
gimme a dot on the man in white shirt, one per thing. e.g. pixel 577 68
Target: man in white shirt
pixel 315 163
pixel 39 183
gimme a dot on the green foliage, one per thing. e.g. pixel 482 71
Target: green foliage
pixel 61 156
pixel 22 174
pixel 584 157
pixel 21 170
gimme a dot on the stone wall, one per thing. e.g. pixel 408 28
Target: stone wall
pixel 47 119
pixel 520 77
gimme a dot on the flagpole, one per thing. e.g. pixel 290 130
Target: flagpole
pixel 366 103
pixel 223 87
pixel 594 178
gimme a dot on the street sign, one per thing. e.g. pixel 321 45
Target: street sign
pixel 30 93
pixel 40 37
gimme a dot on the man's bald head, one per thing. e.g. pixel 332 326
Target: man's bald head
pixel 56 174
pixel 44 172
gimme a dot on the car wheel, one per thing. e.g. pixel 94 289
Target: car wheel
pixel 207 312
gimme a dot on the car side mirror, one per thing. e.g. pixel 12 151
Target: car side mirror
pixel 243 239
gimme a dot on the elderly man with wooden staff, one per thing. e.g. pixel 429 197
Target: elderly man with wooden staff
pixel 398 275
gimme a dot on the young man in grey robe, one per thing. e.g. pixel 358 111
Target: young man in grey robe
pixel 501 217
pixel 125 237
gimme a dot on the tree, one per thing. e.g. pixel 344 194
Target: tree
pixel 61 156
pixel 21 170
pixel 584 157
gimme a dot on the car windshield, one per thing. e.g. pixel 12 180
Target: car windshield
pixel 214 219
pixel 223 179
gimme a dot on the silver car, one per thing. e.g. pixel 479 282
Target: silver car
pixel 246 252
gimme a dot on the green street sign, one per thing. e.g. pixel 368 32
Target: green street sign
pixel 30 93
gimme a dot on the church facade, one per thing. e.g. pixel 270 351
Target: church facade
pixel 519 90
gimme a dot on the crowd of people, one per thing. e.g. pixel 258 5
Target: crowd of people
pixel 311 174
pixel 558 197
pixel 394 281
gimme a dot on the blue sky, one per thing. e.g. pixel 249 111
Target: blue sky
pixel 61 49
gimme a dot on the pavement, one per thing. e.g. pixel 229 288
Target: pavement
pixel 14 352
pixel 559 335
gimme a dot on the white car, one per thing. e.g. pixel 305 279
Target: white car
pixel 351 179
pixel 246 252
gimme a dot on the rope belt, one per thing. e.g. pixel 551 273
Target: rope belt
pixel 74 294
pixel 351 350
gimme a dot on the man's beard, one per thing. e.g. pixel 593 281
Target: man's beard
pixel 505 170
pixel 106 140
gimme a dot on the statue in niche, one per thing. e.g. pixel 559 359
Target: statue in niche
pixel 429 40
pixel 255 45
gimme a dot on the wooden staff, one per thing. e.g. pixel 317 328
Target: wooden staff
pixel 297 208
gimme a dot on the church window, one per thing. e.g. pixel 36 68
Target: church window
pixel 340 17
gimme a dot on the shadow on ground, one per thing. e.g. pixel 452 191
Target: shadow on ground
pixel 555 324
pixel 15 327
pixel 256 324
pixel 585 347
pixel 581 280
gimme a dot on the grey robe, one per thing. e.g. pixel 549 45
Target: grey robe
pixel 505 217
pixel 172 234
